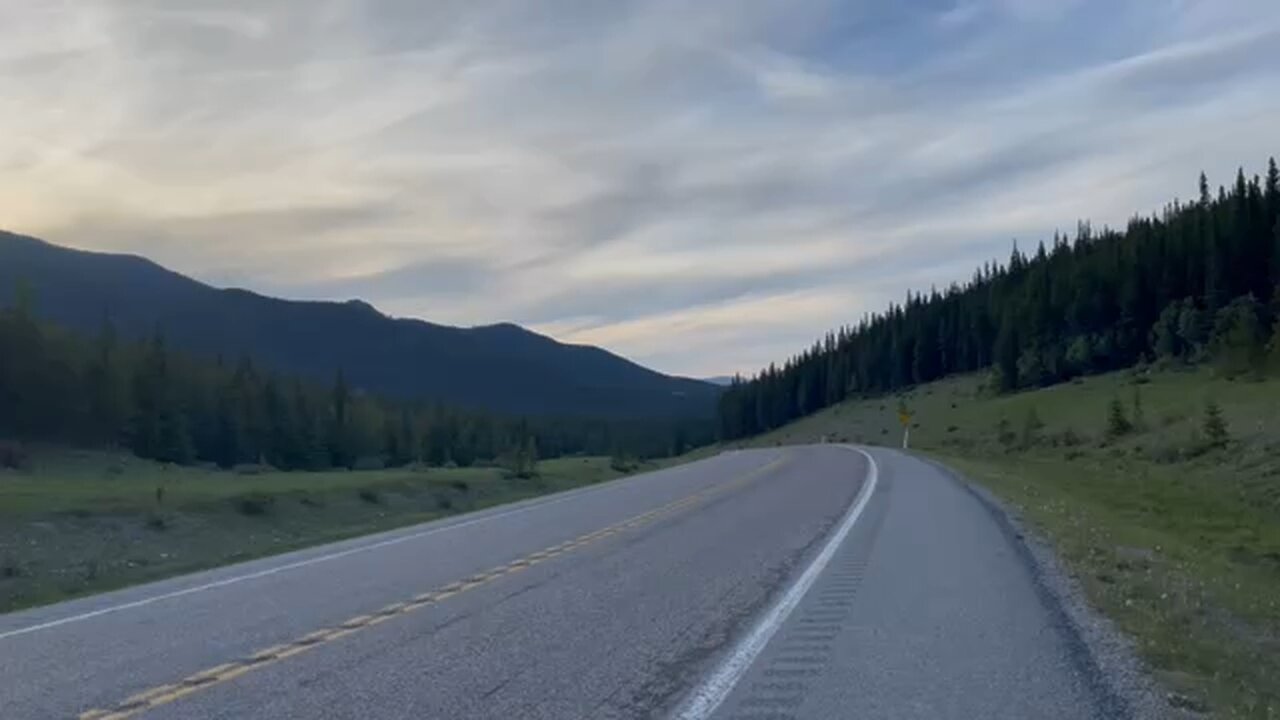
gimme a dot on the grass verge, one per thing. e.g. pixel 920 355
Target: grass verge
pixel 80 522
pixel 1174 537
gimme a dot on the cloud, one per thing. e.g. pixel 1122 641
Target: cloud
pixel 703 190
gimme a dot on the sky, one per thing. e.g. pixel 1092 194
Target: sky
pixel 704 187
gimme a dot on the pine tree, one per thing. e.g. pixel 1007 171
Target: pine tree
pixel 108 401
pixel 1117 424
pixel 1214 426
pixel 1006 354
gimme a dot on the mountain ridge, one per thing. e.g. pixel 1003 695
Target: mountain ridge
pixel 500 367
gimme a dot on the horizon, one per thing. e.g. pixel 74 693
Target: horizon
pixel 700 194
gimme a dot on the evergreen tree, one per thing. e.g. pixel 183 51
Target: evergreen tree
pixel 108 399
pixel 1006 353
pixel 1117 424
pixel 1214 426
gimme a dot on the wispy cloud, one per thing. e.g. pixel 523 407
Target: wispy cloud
pixel 705 187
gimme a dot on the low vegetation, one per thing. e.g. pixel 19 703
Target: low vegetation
pixel 74 522
pixel 1160 490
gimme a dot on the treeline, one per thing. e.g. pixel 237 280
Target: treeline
pixel 1198 280
pixel 61 386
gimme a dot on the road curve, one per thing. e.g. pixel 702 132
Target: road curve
pixel 625 600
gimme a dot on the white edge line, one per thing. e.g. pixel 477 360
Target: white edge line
pixel 713 691
pixel 545 502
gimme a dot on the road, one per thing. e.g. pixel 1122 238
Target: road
pixel 817 582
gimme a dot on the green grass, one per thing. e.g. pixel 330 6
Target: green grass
pixel 78 522
pixel 1177 542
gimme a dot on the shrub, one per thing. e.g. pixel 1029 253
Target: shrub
pixel 460 485
pixel 157 522
pixel 311 502
pixel 13 456
pixel 9 568
pixel 369 495
pixel 1069 438
pixel 623 463
pixel 254 504
pixel 952 428
pixel 1239 337
pixel 1214 426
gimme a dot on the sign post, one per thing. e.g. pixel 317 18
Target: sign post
pixel 904 417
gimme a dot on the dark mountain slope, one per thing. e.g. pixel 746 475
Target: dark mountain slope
pixel 504 368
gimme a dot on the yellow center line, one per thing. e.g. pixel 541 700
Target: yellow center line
pixel 165 694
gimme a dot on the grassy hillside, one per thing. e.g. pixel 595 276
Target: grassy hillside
pixel 79 522
pixel 1176 539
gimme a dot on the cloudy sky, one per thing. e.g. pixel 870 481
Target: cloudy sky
pixel 702 186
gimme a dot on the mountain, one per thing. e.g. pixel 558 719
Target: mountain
pixel 720 380
pixel 503 368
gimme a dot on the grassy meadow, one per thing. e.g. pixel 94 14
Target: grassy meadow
pixel 1174 536
pixel 78 522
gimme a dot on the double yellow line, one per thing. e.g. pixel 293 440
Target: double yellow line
pixel 165 694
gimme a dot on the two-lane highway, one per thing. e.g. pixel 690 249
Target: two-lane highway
pixel 784 583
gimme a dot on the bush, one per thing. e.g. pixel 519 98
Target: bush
pixel 254 504
pixel 369 495
pixel 1239 337
pixel 460 485
pixel 157 522
pixel 623 463
pixel 9 568
pixel 13 456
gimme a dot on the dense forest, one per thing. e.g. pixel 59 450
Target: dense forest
pixel 1199 281
pixel 58 385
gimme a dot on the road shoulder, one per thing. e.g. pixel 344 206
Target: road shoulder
pixel 1108 649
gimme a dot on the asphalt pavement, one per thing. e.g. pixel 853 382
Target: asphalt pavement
pixel 816 582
